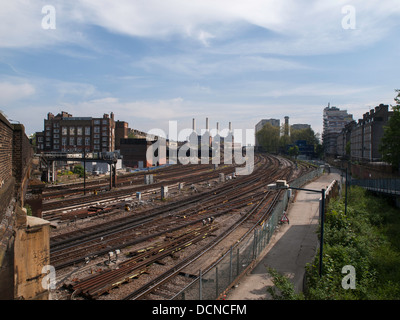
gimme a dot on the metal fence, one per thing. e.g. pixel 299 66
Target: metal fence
pixel 389 186
pixel 211 283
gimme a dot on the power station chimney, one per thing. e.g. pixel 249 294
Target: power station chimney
pixel 207 128
pixel 194 124
pixel 230 126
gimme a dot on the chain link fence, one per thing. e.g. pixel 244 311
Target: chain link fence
pixel 213 282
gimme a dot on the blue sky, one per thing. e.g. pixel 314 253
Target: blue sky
pixel 154 61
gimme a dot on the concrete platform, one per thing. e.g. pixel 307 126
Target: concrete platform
pixel 292 246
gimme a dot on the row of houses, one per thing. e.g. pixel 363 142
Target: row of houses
pixel 360 140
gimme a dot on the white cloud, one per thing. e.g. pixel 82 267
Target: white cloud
pixel 298 26
pixel 10 92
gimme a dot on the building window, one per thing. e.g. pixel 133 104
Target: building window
pixel 105 121
pixel 64 131
pixel 96 147
pixel 79 141
pixel 56 135
pixel 56 141
pixel 105 139
pixel 105 128
pixel 96 141
pixel 97 136
pixel 96 121
pixel 64 141
pixel 79 131
pixel 71 141
pixel 56 147
pixel 56 125
pixel 87 131
pixel 56 130
pixel 71 130
pixel 96 129
pixel 40 139
pixel 87 141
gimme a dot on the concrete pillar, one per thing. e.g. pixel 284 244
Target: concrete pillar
pixel 32 260
pixel 221 177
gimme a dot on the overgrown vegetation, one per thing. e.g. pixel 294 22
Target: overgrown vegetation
pixel 368 239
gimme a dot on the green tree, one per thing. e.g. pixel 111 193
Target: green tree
pixel 390 143
pixel 78 169
pixel 268 137
pixel 294 151
pixel 307 134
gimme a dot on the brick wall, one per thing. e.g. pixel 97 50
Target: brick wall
pixel 15 159
pixel 6 138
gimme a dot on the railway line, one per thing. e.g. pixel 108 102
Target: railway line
pixel 189 228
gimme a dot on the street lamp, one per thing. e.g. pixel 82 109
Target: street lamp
pixel 282 184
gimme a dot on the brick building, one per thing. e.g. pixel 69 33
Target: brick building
pixel 366 135
pixel 65 133
pixel 121 132
pixel 134 151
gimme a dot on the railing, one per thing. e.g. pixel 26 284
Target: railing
pixel 213 282
pixel 388 186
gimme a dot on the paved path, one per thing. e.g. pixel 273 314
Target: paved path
pixel 291 247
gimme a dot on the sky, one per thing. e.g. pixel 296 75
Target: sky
pixel 155 61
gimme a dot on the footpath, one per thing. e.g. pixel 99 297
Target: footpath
pixel 292 246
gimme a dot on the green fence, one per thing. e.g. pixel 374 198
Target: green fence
pixel 211 283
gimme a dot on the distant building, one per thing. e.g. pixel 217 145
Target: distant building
pixel 121 132
pixel 134 151
pixel 334 120
pixel 366 135
pixel 65 133
pixel 299 126
pixel 260 125
pixel 343 140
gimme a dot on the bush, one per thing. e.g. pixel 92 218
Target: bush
pixel 367 238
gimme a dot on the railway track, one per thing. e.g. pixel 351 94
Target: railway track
pixel 246 196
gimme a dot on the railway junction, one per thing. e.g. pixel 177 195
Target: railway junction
pixel 148 238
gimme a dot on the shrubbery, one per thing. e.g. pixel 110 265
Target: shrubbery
pixel 368 239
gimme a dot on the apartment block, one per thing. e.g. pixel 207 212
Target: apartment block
pixel 65 133
pixel 334 120
pixel 366 135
